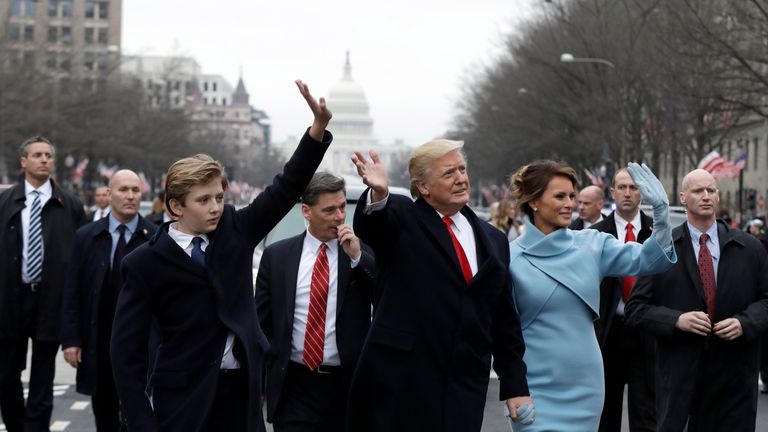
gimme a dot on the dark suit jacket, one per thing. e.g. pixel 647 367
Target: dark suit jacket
pixel 275 299
pixel 62 215
pixel 89 266
pixel 723 374
pixel 427 358
pixel 193 309
pixel 577 224
pixel 611 288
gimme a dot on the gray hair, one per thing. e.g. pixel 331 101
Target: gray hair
pixel 322 182
pixel 24 147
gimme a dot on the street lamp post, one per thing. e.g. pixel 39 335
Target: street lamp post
pixel 569 58
pixel 607 161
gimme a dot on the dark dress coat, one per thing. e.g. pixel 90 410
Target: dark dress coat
pixel 191 310
pixel 611 288
pixel 62 215
pixel 89 268
pixel 275 300
pixel 425 364
pixel 721 375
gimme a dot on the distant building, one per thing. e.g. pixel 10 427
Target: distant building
pixel 167 80
pixel 749 138
pixel 352 128
pixel 70 38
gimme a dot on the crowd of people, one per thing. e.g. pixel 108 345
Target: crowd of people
pixel 392 323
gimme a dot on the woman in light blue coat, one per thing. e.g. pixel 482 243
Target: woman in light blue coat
pixel 556 274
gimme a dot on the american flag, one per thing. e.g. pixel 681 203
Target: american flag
pixel 711 162
pixel 731 168
pixel 144 186
pixel 79 170
pixel 595 178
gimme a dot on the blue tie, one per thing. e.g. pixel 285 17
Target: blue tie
pixel 198 256
pixel 35 242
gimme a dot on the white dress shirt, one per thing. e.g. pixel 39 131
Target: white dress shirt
pixel 621 234
pixel 101 213
pixel 46 192
pixel 309 252
pixel 184 240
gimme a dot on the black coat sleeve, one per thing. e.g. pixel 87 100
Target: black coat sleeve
pixel 71 312
pixel 642 312
pixel 129 349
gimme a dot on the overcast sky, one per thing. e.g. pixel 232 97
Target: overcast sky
pixel 409 55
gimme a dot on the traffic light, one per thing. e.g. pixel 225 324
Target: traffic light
pixel 752 199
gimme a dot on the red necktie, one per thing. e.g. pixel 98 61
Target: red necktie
pixel 707 273
pixel 629 281
pixel 314 337
pixel 463 261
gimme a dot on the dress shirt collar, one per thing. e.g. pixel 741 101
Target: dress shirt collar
pixel 460 222
pixel 184 239
pixel 312 243
pixel 45 189
pixel 130 227
pixel 713 242
pixel 621 223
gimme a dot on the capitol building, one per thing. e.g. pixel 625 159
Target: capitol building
pixel 352 128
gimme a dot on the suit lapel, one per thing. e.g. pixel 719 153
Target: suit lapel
pixel 342 280
pixel 434 227
pixel 483 247
pixel 293 258
pixel 688 256
pixel 172 252
pixel 646 227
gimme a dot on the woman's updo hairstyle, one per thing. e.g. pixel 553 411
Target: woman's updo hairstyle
pixel 530 181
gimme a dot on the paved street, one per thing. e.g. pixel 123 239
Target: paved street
pixel 72 411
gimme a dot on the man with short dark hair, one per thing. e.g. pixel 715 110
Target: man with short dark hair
pixel 627 353
pixel 101 200
pixel 90 294
pixel 314 293
pixel 39 220
pixel 707 313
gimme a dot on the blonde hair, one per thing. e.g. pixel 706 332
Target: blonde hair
pixel 422 157
pixel 191 171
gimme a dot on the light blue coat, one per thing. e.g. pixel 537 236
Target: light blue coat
pixel 556 280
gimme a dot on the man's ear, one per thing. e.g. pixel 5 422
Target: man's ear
pixel 682 199
pixel 422 187
pixel 305 211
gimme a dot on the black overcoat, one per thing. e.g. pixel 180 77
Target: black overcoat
pixel 721 374
pixel 62 215
pixel 425 364
pixel 89 266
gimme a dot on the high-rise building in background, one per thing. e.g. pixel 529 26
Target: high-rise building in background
pixel 66 38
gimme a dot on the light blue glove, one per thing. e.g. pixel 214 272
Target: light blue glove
pixel 526 414
pixel 654 194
